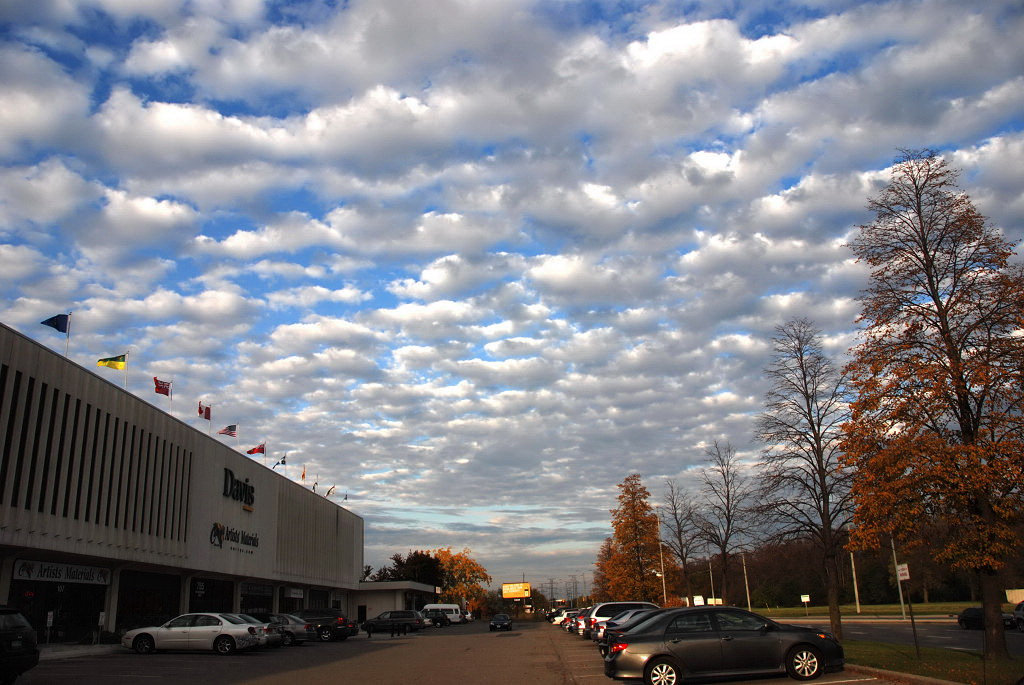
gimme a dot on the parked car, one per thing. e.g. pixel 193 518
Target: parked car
pixel 19 649
pixel 385 621
pixel 602 611
pixel 329 624
pixel 973 618
pixel 613 632
pixel 501 622
pixel 222 633
pixel 267 633
pixel 706 642
pixel 556 616
pixel 437 617
pixel 567 617
pixel 1018 616
pixel 597 632
pixel 294 630
pixel 576 623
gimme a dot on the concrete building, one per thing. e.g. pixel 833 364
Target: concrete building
pixel 115 514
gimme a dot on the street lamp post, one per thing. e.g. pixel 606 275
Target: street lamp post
pixel 711 573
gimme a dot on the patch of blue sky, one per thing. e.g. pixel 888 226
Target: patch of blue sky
pixel 278 104
pixel 297 199
pixel 614 18
pixel 98 28
pixel 172 87
pixel 223 224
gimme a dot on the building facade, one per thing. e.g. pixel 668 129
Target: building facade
pixel 115 514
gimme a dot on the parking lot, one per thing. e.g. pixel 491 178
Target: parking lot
pixel 533 652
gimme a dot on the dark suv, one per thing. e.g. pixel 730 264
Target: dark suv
pixel 18 646
pixel 330 624
pixel 387 620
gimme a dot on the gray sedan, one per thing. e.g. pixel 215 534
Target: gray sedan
pixel 707 642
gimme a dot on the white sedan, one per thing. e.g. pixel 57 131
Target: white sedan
pixel 222 633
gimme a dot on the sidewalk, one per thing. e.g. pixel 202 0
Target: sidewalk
pixel 60 650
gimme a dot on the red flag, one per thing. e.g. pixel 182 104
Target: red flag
pixel 258 449
pixel 204 411
pixel 162 387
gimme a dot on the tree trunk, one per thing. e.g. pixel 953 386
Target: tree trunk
pixel 992 601
pixel 831 568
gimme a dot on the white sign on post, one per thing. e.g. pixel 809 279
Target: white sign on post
pixel 902 572
pixel 805 598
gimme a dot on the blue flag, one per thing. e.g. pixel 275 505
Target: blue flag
pixel 60 322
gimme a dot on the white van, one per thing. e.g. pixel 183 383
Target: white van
pixel 453 611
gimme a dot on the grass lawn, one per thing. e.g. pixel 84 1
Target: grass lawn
pixel 945 664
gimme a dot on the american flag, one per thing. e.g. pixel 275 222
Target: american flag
pixel 231 430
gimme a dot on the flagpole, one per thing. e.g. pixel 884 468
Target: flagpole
pixel 67 339
pixel 170 395
pixel 126 369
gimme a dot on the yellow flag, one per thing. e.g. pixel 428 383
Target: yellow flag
pixel 117 362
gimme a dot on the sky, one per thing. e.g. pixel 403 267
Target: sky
pixel 475 262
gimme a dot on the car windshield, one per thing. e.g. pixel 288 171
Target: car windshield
pixel 501 617
pixel 13 621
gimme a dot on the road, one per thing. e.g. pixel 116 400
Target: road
pixel 533 653
pixel 931 632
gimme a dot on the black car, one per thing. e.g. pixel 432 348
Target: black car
pixel 973 618
pixel 710 642
pixel 330 624
pixel 501 622
pixel 19 650
pixel 439 617
pixel 404 620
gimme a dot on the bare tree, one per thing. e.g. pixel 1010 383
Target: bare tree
pixel 805 490
pixel 681 533
pixel 723 513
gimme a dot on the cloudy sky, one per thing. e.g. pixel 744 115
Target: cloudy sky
pixel 475 261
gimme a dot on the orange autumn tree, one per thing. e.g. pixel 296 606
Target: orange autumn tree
pixel 630 571
pixel 462 577
pixel 936 433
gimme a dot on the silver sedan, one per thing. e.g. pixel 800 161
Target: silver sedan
pixel 221 633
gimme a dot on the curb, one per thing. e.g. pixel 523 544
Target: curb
pixel 897 677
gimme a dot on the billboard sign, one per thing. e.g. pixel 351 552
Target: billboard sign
pixel 515 590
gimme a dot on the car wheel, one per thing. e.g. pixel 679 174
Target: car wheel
pixel 287 639
pixel 492 628
pixel 325 634
pixel 804 663
pixel 143 644
pixel 224 645
pixel 962 623
pixel 662 672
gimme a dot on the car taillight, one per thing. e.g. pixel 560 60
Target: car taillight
pixel 617 647
pixel 593 621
